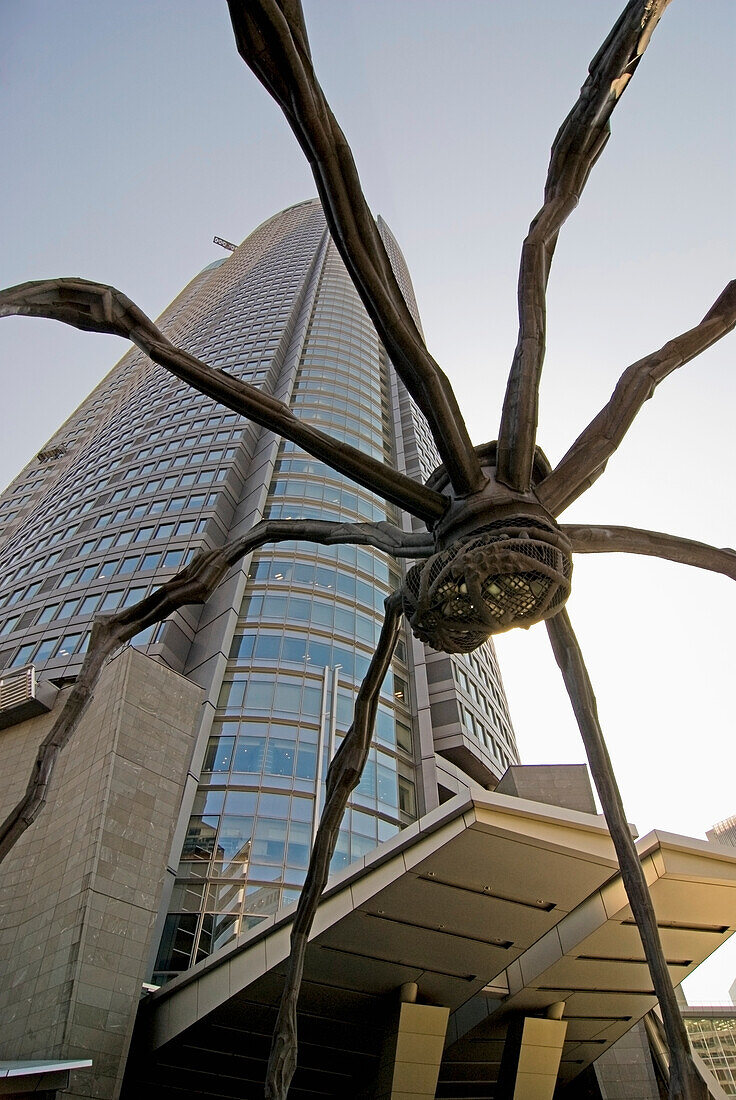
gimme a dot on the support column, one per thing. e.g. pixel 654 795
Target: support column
pixel 531 1056
pixel 412 1050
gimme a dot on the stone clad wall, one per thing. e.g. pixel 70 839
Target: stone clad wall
pixel 80 893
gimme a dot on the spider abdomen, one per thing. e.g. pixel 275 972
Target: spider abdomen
pixel 514 573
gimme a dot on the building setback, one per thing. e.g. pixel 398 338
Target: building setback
pixel 146 473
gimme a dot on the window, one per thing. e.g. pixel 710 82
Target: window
pixel 46 648
pixel 23 655
pixel 133 595
pixel 9 625
pixel 68 644
pixel 88 605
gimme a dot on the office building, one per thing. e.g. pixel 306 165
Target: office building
pixel 724 832
pixel 148 471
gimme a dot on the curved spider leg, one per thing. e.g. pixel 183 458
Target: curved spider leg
pixel 587 458
pixel 685 1082
pixel 192 585
pixel 343 776
pixel 98 308
pixel 577 146
pixel 654 544
pixel 272 39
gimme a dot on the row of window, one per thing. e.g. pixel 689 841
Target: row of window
pixel 345 499
pixel 321 577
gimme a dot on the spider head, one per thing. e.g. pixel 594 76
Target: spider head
pixel 514 572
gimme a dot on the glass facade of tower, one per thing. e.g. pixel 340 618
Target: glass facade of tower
pixel 147 472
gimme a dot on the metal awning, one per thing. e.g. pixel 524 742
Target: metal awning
pixel 24 1077
pixel 482 896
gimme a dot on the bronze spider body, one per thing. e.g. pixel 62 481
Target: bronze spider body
pixel 492 554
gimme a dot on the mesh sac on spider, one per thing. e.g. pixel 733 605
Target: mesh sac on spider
pixel 515 572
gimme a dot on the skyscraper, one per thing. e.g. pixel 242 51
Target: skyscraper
pixel 147 472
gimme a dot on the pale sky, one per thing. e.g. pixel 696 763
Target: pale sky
pixel 133 133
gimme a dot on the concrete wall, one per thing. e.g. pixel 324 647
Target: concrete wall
pixel 80 892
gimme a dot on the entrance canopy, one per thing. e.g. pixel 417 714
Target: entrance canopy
pixel 494 906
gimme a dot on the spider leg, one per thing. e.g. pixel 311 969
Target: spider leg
pixel 343 776
pixel 576 148
pixel 655 544
pixel 192 585
pixel 99 308
pixel 685 1082
pixel 272 39
pixel 587 458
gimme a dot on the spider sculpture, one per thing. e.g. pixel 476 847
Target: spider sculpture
pixel 492 555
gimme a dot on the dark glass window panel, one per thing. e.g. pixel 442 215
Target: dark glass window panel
pixel 23 655
pixel 199 842
pixel 367 785
pixel 301 809
pixel 68 644
pixel 403 737
pixel 111 600
pixel 46 648
pixel 294 649
pixel 207 803
pixel 280 757
pixel 269 842
pixel 249 754
pixel 219 754
pixel 320 654
pixel 274 607
pixel 173 559
pixel 311 701
pixel 241 803
pixel 322 613
pixel 108 568
pixel 268 647
pixel 287 696
pixel 388 792
pixel 273 805
pixel 260 694
pixel 177 942
pixel 134 595
pixel 88 605
pixel 234 840
pixel 299 610
pixel 242 646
